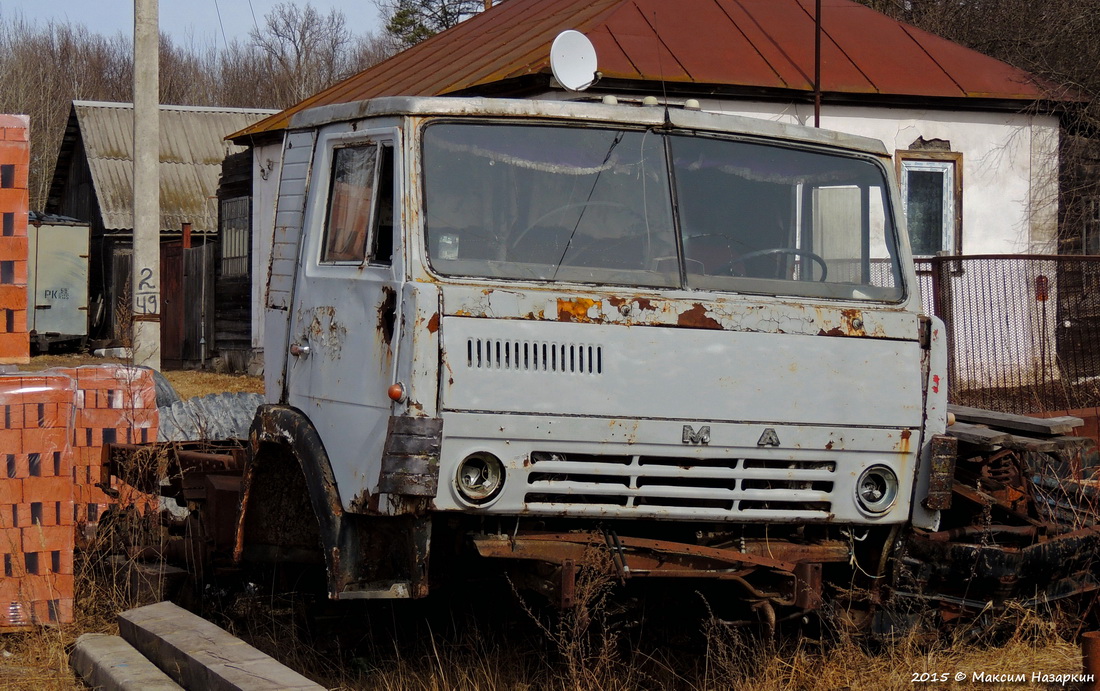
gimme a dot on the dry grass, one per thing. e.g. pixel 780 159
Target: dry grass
pixel 581 651
pixel 188 383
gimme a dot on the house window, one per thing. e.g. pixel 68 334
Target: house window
pixel 235 221
pixel 931 196
pixel 7 175
pixel 359 225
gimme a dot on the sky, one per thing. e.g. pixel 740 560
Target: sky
pixel 186 21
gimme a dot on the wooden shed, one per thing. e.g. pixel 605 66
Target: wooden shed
pixel 93 182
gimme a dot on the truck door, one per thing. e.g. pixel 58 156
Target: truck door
pixel 344 325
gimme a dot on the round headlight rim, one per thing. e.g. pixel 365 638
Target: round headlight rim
pixel 892 490
pixel 465 493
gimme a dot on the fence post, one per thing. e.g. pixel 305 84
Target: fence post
pixel 941 309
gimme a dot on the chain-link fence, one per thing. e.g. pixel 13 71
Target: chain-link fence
pixel 1023 331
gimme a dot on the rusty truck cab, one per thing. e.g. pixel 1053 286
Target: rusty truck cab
pixel 689 342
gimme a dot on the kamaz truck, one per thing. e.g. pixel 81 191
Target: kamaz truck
pixel 526 331
pixel 682 348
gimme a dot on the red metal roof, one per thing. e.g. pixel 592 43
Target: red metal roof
pixel 757 45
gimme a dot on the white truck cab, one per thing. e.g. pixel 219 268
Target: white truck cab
pixel 516 329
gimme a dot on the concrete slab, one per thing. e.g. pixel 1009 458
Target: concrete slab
pixel 111 664
pixel 200 655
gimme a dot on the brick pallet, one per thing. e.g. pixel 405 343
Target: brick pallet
pixel 53 426
pixel 14 167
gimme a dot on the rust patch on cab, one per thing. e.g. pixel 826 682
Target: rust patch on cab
pixel 696 318
pixel 433 323
pixel 575 310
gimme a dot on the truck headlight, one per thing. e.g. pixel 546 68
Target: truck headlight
pixel 480 477
pixel 877 489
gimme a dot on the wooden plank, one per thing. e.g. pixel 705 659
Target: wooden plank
pixel 982 436
pixel 1022 423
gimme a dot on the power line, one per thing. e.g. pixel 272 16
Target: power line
pixel 220 25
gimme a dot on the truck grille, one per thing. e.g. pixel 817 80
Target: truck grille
pixel 534 356
pixel 733 486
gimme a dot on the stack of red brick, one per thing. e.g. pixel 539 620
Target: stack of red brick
pixel 114 404
pixel 15 155
pixel 36 499
pixel 53 426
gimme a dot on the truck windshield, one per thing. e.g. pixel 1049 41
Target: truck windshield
pixel 595 205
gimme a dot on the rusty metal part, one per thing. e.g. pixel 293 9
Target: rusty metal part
pixel 568 583
pixel 291 510
pixel 798 585
pixel 969 573
pixel 970 531
pixel 287 478
pixel 1090 658
pixel 410 460
pixel 820 551
pixel 944 449
pixel 641 556
pixel 169 468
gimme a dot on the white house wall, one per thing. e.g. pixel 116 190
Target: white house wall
pixel 1010 206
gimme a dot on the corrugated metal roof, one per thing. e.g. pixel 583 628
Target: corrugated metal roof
pixel 755 46
pixel 192 147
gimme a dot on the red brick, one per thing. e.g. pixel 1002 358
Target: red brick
pixel 11 492
pixel 19 319
pixel 48 586
pixel 11 416
pixel 13 199
pixel 13 297
pixel 46 440
pixel 11 542
pixel 19 228
pixel 21 274
pixel 98 418
pixel 49 387
pixel 67 558
pixel 22 465
pixel 11 440
pixel 47 538
pixel 13 249
pixel 47 489
pixel 60 612
pixel 14 348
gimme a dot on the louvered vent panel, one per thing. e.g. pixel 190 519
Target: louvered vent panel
pixel 534 356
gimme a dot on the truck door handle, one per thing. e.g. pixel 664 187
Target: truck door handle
pixel 298 350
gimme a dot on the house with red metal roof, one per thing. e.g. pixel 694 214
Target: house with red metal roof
pixel 976 140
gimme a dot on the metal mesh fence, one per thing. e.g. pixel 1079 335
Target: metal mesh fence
pixel 1023 331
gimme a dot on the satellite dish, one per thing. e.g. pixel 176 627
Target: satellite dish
pixel 573 60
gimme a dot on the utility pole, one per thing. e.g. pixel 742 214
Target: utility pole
pixel 145 281
pixel 817 64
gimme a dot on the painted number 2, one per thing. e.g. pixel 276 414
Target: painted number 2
pixel 145 299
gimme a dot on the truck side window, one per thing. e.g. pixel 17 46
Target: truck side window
pixel 360 205
pixel 382 244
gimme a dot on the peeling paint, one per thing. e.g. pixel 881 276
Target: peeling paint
pixel 326 332
pixel 697 318
pixel 579 310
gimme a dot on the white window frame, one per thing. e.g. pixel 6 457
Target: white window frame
pixel 950 165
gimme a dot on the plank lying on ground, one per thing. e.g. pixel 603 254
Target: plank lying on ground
pixel 111 664
pixel 200 655
pixel 1022 423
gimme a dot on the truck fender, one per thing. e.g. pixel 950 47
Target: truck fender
pixel 280 433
